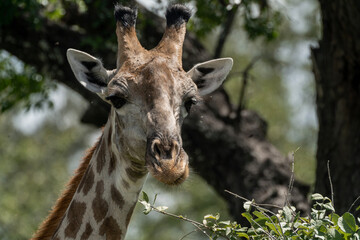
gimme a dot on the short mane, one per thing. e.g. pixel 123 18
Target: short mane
pixel 48 227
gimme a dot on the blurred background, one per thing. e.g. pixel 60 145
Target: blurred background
pixel 42 137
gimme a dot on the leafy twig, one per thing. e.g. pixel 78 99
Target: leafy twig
pixel 331 186
pixel 178 217
pixel 268 234
pixel 284 225
pixel 204 232
pixel 255 204
pixel 183 237
pixel 353 204
pixel 292 179
pixel 200 226
pixel 258 206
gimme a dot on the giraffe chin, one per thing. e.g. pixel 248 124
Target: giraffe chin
pixel 169 171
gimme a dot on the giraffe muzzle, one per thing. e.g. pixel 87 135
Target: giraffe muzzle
pixel 167 161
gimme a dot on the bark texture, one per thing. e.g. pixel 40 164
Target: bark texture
pixel 337 73
pixel 243 162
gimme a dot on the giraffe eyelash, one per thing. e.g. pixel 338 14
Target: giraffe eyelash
pixel 117 101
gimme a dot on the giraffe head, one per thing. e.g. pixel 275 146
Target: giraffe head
pixel 149 91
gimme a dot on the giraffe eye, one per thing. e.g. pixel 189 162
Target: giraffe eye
pixel 116 101
pixel 189 103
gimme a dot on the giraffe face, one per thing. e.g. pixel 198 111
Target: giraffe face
pixel 158 98
pixel 150 92
pixel 151 100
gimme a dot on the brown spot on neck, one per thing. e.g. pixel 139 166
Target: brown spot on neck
pixel 99 188
pixel 126 184
pixel 87 233
pixel 87 182
pixel 117 197
pixel 129 214
pixel 101 154
pixel 111 228
pixel 48 227
pixel 112 164
pixel 75 217
pixel 99 205
pixel 109 135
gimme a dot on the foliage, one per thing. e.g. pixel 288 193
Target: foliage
pixel 273 88
pixel 209 15
pixel 323 222
pixel 33 171
pixel 24 86
pixel 259 19
pixel 9 10
pixel 195 197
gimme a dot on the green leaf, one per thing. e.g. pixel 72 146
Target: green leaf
pixel 210 216
pixel 251 232
pixel 358 208
pixel 296 219
pixel 334 234
pixel 334 218
pixel 244 235
pixel 228 231
pixel 210 220
pixel 145 196
pixel 329 206
pixel 155 199
pixel 259 214
pixel 226 223
pixel 287 213
pixel 273 227
pixel 248 217
pixel 317 236
pixel 316 197
pixel 357 236
pixel 322 229
pixel 261 221
pixel 347 223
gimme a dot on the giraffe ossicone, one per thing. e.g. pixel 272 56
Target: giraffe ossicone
pixel 150 94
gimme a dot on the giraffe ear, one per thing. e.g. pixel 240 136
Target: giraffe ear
pixel 209 75
pixel 88 70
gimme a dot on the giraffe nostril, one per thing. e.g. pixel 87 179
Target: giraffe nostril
pixel 157 151
pixel 176 147
pixel 162 151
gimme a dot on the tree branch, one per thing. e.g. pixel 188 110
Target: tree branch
pixel 225 31
pixel 245 78
pixel 226 28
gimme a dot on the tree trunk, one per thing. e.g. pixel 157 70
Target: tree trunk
pixel 243 162
pixel 337 73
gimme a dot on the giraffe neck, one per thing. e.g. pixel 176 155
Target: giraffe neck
pixel 103 203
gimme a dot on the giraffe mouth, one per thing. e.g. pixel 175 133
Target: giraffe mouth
pixel 169 166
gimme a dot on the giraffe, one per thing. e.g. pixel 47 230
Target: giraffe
pixel 150 94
